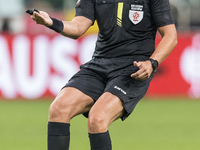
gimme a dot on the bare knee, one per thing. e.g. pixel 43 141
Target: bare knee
pixel 97 123
pixel 59 112
pixel 69 103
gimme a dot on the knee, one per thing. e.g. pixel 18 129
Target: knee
pixel 59 112
pixel 54 110
pixel 97 123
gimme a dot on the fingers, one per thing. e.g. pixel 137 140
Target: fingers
pixel 137 74
pixel 34 15
pixel 38 18
pixel 41 17
pixel 140 75
pixel 136 64
pixel 144 71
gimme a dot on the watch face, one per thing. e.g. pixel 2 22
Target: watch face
pixel 154 63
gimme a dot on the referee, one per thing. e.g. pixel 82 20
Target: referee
pixel 109 86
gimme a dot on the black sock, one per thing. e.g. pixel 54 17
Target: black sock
pixel 58 136
pixel 100 141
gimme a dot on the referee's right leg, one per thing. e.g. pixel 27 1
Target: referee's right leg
pixel 69 103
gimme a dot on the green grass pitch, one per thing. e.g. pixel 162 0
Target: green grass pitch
pixel 154 125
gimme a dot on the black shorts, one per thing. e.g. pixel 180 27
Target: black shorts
pixel 112 75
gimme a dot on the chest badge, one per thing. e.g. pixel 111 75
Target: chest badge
pixel 136 13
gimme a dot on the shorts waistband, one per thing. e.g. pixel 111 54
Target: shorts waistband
pixel 135 57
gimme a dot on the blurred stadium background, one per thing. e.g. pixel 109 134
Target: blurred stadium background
pixel 35 63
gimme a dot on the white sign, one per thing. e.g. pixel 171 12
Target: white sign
pixel 53 62
pixel 190 66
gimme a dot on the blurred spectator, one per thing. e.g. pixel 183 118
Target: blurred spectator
pixel 183 14
pixel 186 14
pixel 57 4
pixel 195 13
pixel 11 16
pixel 69 4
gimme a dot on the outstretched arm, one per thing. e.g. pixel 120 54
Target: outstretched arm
pixel 164 48
pixel 72 29
pixel 77 27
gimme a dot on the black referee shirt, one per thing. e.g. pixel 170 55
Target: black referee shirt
pixel 126 27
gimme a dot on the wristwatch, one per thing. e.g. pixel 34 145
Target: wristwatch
pixel 154 64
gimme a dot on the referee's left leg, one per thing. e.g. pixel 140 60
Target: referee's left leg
pixel 107 109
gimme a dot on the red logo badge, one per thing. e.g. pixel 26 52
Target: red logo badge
pixel 136 16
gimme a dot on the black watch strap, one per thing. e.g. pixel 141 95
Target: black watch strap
pixel 154 64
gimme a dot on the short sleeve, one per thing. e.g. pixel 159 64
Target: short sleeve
pixel 85 8
pixel 161 12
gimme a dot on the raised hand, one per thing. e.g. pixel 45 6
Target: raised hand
pixel 40 17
